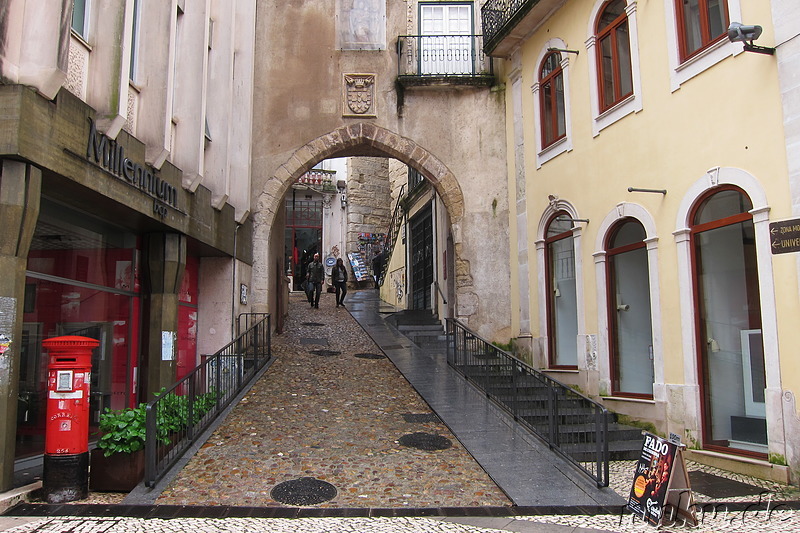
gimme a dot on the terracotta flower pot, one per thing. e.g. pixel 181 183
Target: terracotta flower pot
pixel 119 472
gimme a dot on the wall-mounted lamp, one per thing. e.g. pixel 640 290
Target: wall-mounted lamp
pixel 738 32
pixel 341 186
pixel 637 189
pixel 566 51
pixel 562 218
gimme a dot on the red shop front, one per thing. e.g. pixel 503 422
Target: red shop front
pixel 83 278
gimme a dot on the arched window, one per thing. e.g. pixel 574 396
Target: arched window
pixel 700 23
pixel 629 313
pixel 728 324
pixel 562 299
pixel 615 77
pixel 551 98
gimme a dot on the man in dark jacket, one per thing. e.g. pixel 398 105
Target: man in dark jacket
pixel 377 268
pixel 315 275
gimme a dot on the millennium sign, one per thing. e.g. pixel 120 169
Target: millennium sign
pixel 110 155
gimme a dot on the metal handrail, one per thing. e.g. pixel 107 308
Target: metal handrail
pixel 444 299
pixel 391 235
pixel 573 425
pixel 442 56
pixel 180 414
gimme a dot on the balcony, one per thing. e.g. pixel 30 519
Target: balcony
pixel 443 60
pixel 318 179
pixel 506 23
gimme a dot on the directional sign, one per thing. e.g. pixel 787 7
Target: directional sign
pixel 784 236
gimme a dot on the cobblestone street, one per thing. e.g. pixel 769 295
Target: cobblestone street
pixel 333 409
pixel 335 417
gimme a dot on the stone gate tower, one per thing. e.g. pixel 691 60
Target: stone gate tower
pixel 383 78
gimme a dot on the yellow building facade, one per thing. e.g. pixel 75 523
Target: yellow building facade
pixel 648 169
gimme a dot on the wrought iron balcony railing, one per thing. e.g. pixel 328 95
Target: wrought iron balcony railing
pixel 498 17
pixel 443 56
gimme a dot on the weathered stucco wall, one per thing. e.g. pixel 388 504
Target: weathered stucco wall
pixel 455 137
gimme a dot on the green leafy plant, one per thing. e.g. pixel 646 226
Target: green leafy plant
pixel 123 430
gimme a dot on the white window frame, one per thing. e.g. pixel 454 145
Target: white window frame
pixel 767 289
pixel 680 73
pixel 564 144
pixel 135 39
pixel 631 104
pixel 83 33
pixel 635 211
pixel 554 207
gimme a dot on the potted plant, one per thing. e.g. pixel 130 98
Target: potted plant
pixel 117 464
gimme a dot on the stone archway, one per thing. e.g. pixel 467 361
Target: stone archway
pixel 353 140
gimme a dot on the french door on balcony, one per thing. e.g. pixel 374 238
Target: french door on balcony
pixel 446 39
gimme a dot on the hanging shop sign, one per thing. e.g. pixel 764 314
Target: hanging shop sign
pixel 110 155
pixel 784 236
pixel 661 490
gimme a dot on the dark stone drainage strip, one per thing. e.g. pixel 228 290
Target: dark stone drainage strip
pixel 425 441
pixel 303 491
pixel 370 356
pixel 313 324
pixel 421 418
pixel 325 353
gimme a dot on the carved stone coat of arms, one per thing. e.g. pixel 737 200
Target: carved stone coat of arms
pixel 359 92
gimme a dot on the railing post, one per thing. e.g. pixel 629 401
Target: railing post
pixel 150 444
pixel 514 392
pixel 552 408
pixel 190 409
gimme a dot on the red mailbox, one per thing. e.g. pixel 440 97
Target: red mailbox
pixel 66 445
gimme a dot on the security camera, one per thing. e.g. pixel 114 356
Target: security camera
pixel 738 32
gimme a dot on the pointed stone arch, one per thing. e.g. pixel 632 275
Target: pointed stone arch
pixel 353 140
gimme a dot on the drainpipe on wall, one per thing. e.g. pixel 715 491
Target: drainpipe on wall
pixel 234 292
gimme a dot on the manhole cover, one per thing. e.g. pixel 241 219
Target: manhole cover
pixel 421 418
pixel 303 491
pixel 325 353
pixel 425 441
pixel 314 324
pixel 370 356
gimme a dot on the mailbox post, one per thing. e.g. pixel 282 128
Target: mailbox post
pixel 66 445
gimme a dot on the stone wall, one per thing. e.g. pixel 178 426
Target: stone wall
pixel 369 207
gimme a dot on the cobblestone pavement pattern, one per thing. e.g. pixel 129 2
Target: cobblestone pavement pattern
pixel 336 418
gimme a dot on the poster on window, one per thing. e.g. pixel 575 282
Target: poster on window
pixel 660 483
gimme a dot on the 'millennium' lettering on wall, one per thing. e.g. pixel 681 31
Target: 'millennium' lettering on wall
pixel 110 155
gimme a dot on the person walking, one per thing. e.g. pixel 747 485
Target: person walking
pixel 377 268
pixel 339 275
pixel 315 275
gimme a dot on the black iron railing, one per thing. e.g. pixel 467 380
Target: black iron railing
pixel 180 414
pixel 391 235
pixel 498 17
pixel 573 425
pixel 442 56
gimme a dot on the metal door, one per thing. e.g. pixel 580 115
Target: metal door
pixel 421 259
